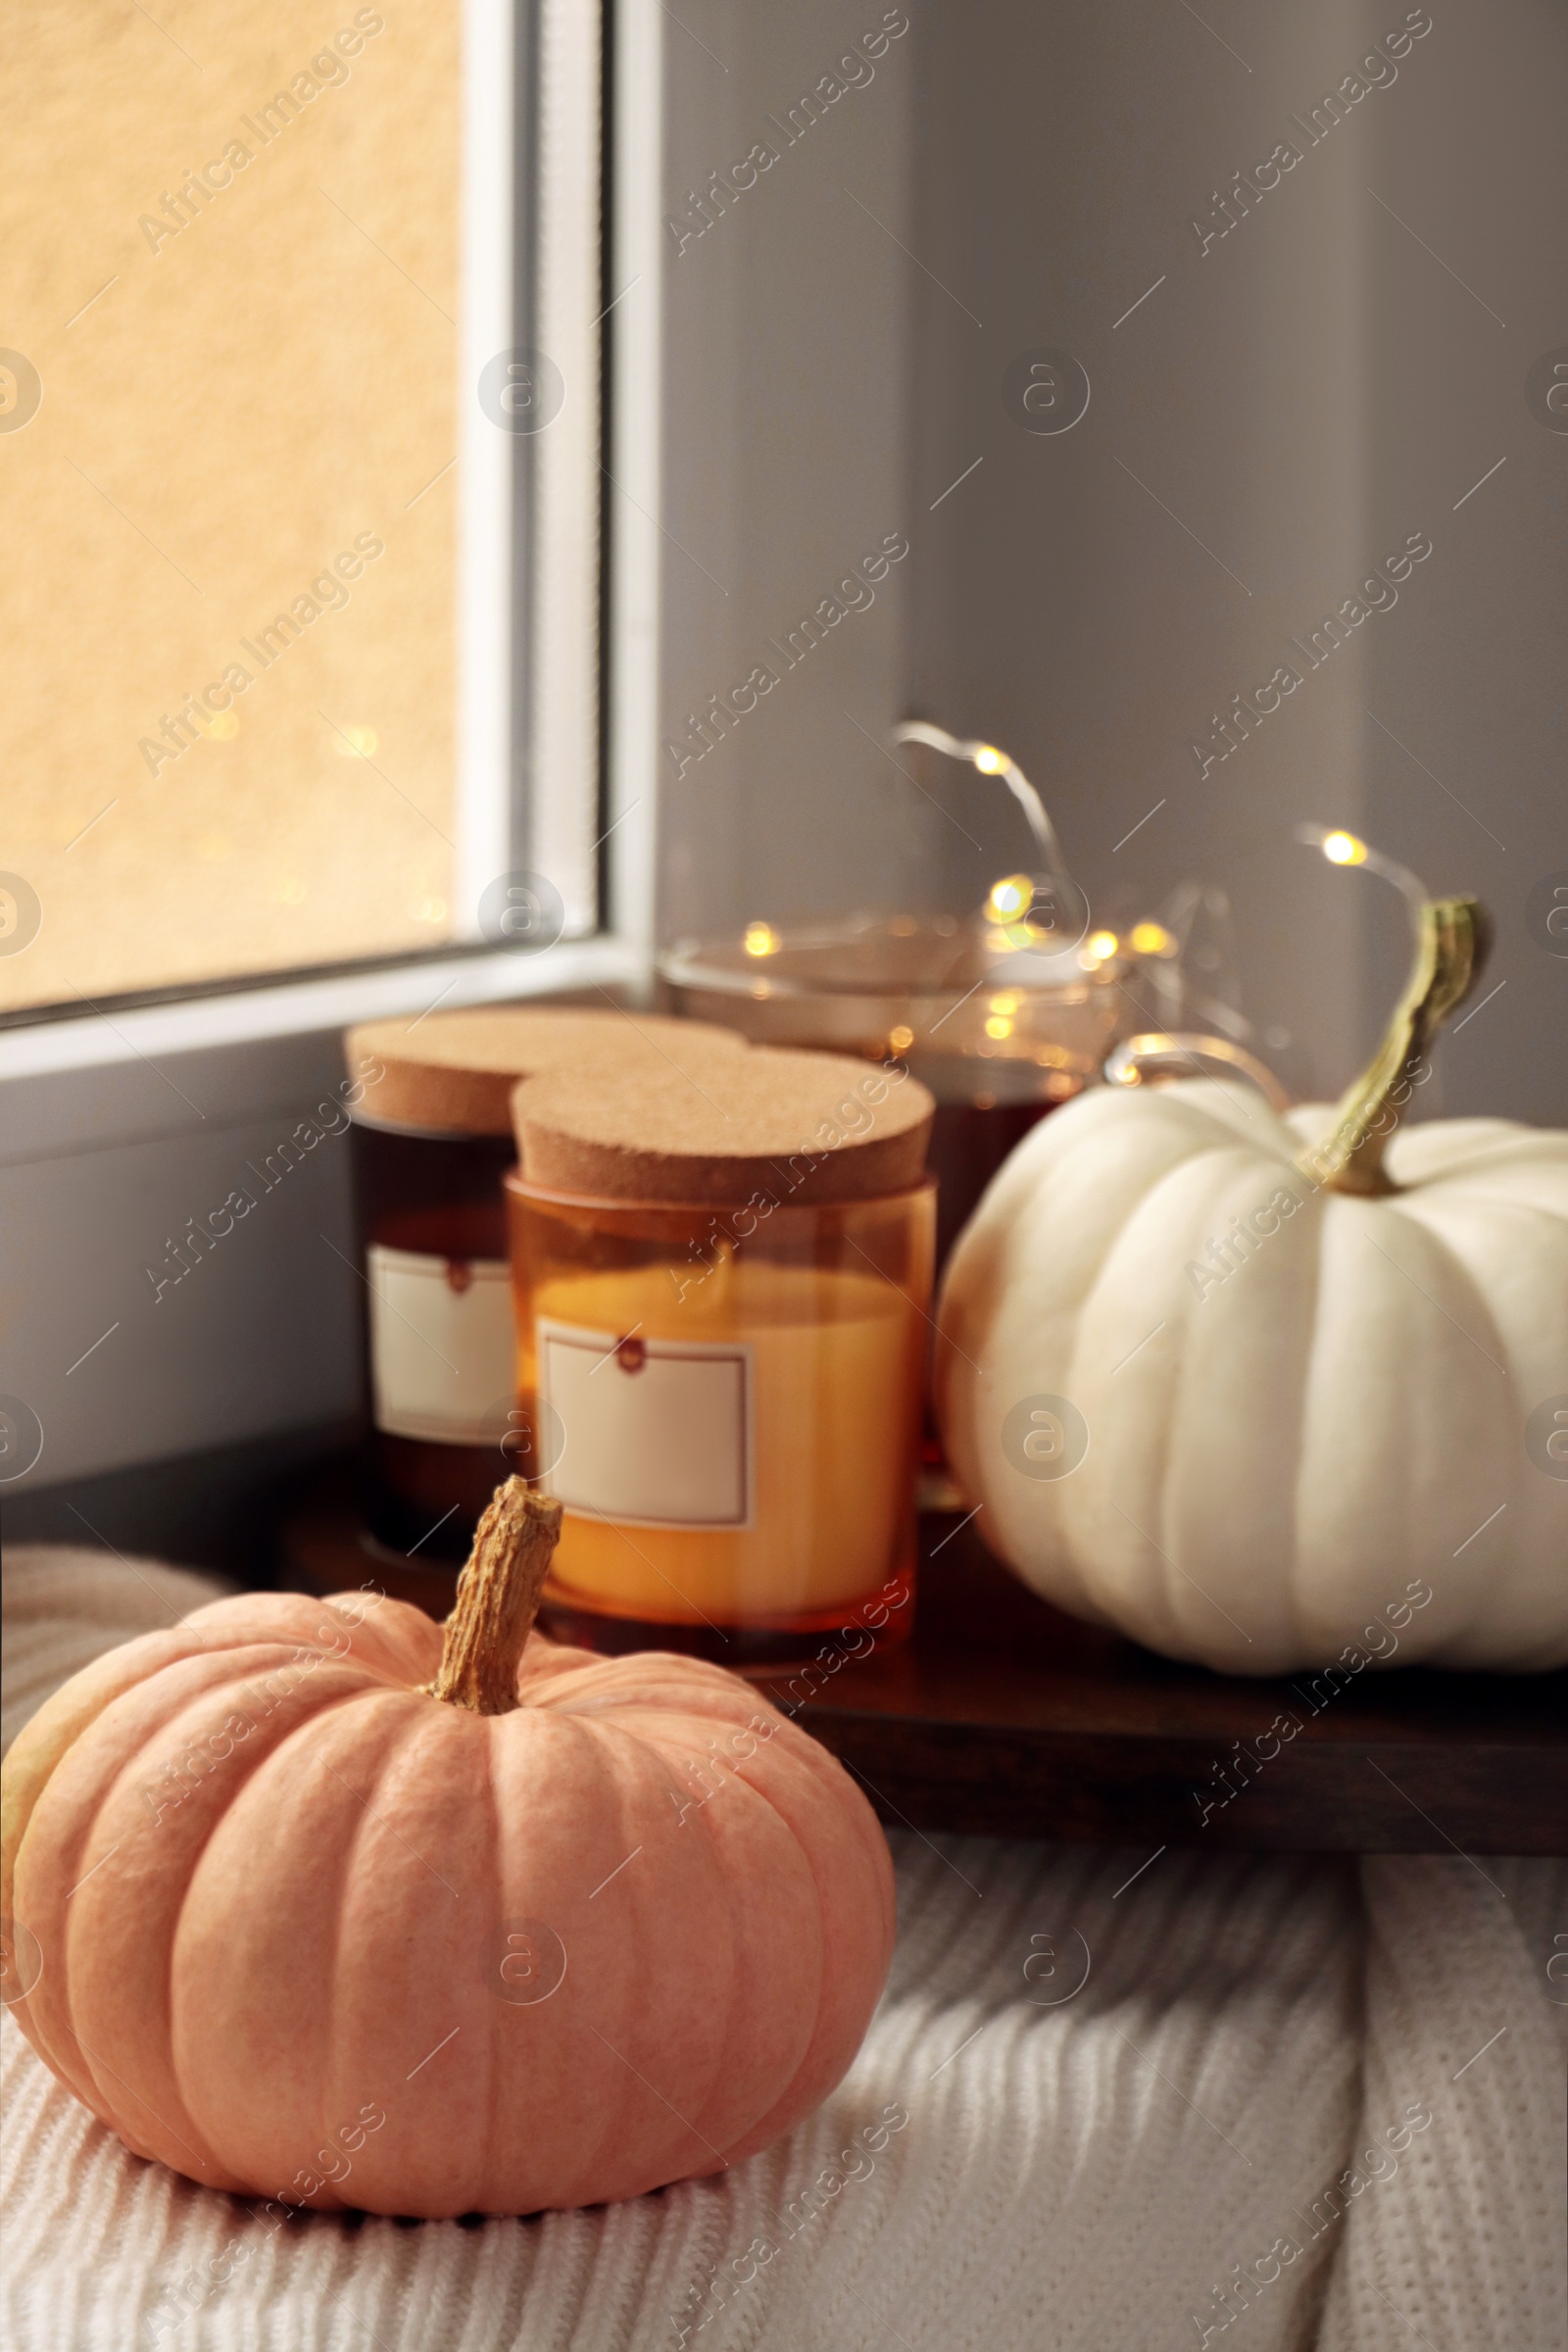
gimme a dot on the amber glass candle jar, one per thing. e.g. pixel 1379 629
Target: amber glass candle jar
pixel 721 1309
pixel 432 1140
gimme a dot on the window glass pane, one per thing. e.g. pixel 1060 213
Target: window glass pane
pixel 229 430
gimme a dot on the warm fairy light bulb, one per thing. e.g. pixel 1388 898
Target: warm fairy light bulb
pixel 1101 945
pixel 1009 895
pixel 998 1026
pixel 1150 939
pixel 989 760
pixel 1342 848
pixel 902 1038
pixel 760 939
pixel 1006 1002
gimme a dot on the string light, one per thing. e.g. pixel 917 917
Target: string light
pixel 991 762
pixel 1010 896
pixel 1341 846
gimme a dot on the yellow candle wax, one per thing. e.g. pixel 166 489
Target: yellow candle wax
pixel 736 1444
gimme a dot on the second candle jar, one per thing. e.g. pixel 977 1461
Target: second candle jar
pixel 721 1294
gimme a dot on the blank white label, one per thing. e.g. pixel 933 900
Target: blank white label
pixel 658 1433
pixel 443 1345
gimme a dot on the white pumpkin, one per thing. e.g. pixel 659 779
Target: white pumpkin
pixel 1272 1459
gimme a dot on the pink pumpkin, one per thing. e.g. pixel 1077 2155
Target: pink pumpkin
pixel 310 1906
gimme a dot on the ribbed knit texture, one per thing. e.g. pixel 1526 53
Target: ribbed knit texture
pixel 1083 2165
pixel 1464 2245
pixel 63 1607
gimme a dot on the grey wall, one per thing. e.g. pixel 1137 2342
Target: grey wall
pixel 1298 398
pixel 787 394
pixel 1478 164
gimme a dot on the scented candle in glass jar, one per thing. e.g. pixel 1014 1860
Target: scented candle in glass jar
pixel 432 1140
pixel 721 1311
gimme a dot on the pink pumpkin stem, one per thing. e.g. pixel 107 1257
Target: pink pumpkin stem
pixel 498 1596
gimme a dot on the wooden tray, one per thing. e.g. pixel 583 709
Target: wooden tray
pixel 1005 1718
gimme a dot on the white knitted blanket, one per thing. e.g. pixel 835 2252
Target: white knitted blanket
pixel 1108 2104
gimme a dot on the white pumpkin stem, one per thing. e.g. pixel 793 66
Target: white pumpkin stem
pixel 1454 939
pixel 498 1596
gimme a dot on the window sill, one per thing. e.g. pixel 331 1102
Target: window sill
pixel 299 1008
pixel 120 1128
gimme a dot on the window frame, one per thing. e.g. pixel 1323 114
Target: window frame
pixel 117 1123
pixel 496 817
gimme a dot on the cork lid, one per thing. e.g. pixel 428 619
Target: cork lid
pixel 794 1126
pixel 454 1072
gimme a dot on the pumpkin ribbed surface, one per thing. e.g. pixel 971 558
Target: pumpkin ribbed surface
pixel 305 1930
pixel 1297 1404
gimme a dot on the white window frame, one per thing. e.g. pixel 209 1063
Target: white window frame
pixel 98 1097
